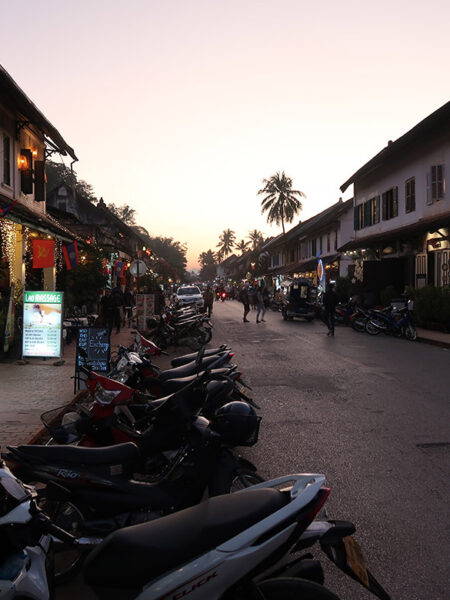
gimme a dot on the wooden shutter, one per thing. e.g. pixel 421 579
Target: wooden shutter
pixel 384 198
pixel 26 175
pixel 421 269
pixel 356 218
pixel 429 198
pixel 377 209
pixel 367 220
pixel 39 181
pixel 395 202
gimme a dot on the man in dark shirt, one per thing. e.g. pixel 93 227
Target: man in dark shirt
pixel 243 297
pixel 330 300
pixel 107 307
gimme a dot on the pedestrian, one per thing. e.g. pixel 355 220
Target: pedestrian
pixel 330 300
pixel 261 307
pixel 128 299
pixel 208 299
pixel 243 297
pixel 252 297
pixel 118 303
pixel 107 309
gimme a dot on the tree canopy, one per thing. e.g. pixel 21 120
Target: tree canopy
pixel 58 173
pixel 226 242
pixel 208 264
pixel 124 211
pixel 280 200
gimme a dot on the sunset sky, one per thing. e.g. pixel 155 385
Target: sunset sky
pixel 181 107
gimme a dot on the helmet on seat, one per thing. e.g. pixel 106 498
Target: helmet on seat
pixel 237 423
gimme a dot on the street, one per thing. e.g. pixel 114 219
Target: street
pixel 371 414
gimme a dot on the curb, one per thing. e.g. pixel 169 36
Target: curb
pixel 432 342
pixel 43 430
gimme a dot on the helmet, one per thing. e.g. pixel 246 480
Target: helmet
pixel 237 423
pixel 152 323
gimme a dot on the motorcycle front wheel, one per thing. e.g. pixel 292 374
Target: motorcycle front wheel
pixel 371 329
pixel 68 560
pixel 358 325
pixel 411 333
pixel 290 588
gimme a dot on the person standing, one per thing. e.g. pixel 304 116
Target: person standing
pixel 208 299
pixel 118 303
pixel 243 297
pixel 107 309
pixel 260 305
pixel 330 300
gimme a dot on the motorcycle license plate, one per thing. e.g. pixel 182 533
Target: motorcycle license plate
pixel 355 560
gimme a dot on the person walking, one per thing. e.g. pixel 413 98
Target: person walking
pixel 243 297
pixel 330 300
pixel 118 302
pixel 208 299
pixel 107 309
pixel 260 303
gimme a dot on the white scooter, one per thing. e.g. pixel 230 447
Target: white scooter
pixel 227 547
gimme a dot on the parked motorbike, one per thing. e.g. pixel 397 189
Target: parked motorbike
pixel 392 322
pixel 194 332
pixel 236 546
pixel 93 491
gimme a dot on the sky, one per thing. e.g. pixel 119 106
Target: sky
pixel 180 108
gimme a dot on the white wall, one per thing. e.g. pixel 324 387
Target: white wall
pixel 418 168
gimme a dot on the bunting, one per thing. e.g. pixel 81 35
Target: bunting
pixel 5 209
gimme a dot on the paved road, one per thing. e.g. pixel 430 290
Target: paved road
pixel 371 413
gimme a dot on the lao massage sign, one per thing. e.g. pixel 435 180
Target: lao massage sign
pixel 42 324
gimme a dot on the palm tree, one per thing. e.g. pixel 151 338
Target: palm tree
pixel 207 258
pixel 241 246
pixel 256 238
pixel 280 199
pixel 226 242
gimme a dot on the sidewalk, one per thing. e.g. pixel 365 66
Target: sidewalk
pixel 438 338
pixel 26 391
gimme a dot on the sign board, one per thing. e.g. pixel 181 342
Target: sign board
pixel 138 268
pixel 42 324
pixel 96 342
pixel 145 308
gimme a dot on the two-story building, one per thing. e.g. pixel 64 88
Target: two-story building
pixel 402 209
pixel 297 252
pixel 27 138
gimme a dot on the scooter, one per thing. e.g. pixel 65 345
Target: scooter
pixel 232 547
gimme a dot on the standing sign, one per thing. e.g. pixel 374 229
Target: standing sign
pixel 96 343
pixel 42 324
pixel 145 308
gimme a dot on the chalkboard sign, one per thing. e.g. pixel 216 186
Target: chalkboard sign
pixel 96 342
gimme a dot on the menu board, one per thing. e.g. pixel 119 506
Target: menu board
pixel 42 324
pixel 96 343
pixel 145 308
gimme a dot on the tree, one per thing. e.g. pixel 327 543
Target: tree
pixel 58 173
pixel 171 257
pixel 242 246
pixel 125 213
pixel 280 199
pixel 256 238
pixel 226 242
pixel 208 263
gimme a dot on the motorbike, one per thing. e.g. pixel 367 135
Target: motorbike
pixel 238 546
pixel 392 322
pixel 194 332
pixel 181 458
pixel 359 319
pixel 343 312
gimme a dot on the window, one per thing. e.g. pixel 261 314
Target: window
pixel 62 206
pixel 321 246
pixel 390 204
pixel 372 211
pixel 437 183
pixel 313 247
pixel 6 160
pixel 275 260
pixel 410 195
pixel 335 240
pixel 328 241
pixel 358 214
pixel 292 255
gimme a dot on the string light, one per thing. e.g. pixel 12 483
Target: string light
pixel 9 238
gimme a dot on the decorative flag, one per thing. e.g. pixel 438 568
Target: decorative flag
pixel 119 267
pixel 5 209
pixel 43 254
pixel 70 252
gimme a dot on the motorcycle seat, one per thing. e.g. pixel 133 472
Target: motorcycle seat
pixel 190 368
pixel 187 358
pixel 108 455
pixel 173 540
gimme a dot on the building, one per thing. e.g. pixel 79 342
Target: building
pixel 402 209
pixel 296 253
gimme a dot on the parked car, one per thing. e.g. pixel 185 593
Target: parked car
pixel 300 300
pixel 189 294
